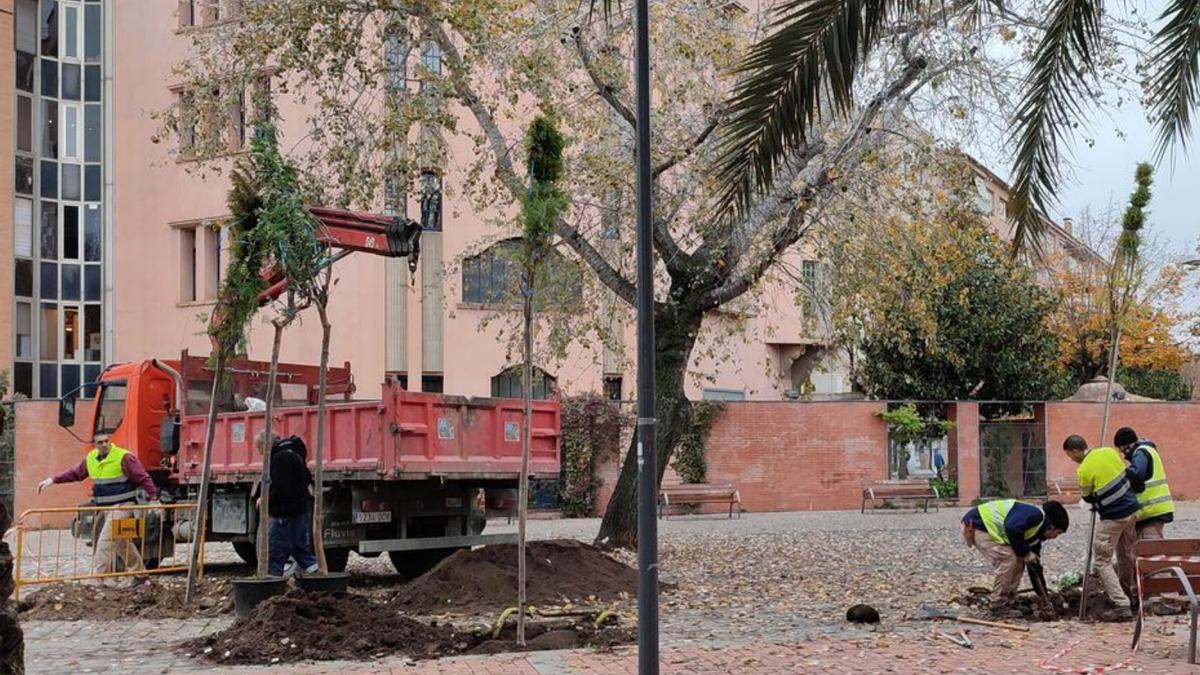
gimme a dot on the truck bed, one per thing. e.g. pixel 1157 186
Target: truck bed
pixel 402 436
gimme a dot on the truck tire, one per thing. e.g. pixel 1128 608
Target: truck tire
pixel 247 551
pixel 412 564
pixel 337 558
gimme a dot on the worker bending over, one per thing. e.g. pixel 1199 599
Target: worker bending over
pixel 1148 477
pixel 1104 484
pixel 1012 536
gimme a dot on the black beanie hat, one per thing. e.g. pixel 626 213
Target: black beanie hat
pixel 1125 436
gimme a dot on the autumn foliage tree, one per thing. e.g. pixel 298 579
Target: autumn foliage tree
pixel 1151 352
pixel 934 309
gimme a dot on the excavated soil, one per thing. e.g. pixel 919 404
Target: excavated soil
pixel 156 598
pixel 485 580
pixel 301 626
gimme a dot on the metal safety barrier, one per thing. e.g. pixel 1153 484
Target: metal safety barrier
pixel 104 542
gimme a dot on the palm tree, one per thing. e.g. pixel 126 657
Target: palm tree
pixel 804 71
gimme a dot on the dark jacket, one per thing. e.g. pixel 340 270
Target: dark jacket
pixel 1140 471
pixel 1020 517
pixel 290 479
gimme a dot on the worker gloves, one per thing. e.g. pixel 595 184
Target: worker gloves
pixel 45 484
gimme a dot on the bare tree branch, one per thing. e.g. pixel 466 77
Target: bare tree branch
pixel 795 227
pixel 689 148
pixel 604 89
pixel 506 170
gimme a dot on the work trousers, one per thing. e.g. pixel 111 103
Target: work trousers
pixel 291 538
pixel 1116 538
pixel 1151 531
pixel 106 550
pixel 1005 563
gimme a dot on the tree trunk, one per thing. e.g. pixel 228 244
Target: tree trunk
pixel 318 523
pixel 264 517
pixel 201 513
pixel 523 486
pixel 675 336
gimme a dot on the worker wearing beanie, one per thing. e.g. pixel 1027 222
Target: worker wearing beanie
pixel 1104 484
pixel 1148 477
pixel 1013 533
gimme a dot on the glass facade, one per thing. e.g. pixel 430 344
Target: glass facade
pixel 58 196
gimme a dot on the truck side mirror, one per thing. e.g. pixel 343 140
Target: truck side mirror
pixel 66 412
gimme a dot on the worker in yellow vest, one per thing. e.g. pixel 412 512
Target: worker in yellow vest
pixel 117 478
pixel 1104 484
pixel 1012 537
pixel 1148 477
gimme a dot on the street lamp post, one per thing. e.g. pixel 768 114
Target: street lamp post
pixel 646 457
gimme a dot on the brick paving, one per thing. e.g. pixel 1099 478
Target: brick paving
pixel 713 640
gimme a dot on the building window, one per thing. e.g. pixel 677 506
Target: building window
pixel 433 383
pixel 187 123
pixel 24 124
pixel 187 264
pixel 809 274
pixel 431 57
pixel 49 29
pixel 23 224
pixel 187 13
pixel 237 120
pixel 24 324
pixel 431 201
pixel 507 383
pixel 71 333
pixel 612 387
pixel 494 278
pixel 48 330
pixel 212 262
pixel 23 282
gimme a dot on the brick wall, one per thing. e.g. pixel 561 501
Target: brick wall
pixel 42 448
pixel 791 456
pixel 1172 426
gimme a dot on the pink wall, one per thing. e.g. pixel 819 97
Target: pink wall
pixel 42 449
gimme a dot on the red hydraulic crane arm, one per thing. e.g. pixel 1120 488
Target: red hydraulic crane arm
pixel 351 231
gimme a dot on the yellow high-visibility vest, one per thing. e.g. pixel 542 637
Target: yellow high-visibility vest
pixel 1155 500
pixel 993 515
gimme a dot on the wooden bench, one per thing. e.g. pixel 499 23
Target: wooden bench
pixel 901 490
pixel 1168 566
pixel 1063 490
pixel 698 493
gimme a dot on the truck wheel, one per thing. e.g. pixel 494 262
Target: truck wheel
pixel 412 564
pixel 336 558
pixel 247 551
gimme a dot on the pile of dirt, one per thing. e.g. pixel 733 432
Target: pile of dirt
pixel 302 625
pixel 155 598
pixel 485 580
pixel 1058 605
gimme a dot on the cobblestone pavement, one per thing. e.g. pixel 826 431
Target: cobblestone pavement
pixel 763 594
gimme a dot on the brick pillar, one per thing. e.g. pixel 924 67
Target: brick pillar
pixel 967 446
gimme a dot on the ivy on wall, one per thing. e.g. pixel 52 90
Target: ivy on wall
pixel 690 462
pixel 591 428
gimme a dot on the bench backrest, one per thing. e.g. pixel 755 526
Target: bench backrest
pixel 1168 582
pixel 884 488
pixel 702 489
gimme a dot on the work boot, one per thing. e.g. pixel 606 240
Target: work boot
pixel 1116 613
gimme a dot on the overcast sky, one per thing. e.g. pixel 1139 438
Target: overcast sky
pixel 1104 173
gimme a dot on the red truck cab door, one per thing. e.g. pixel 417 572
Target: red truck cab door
pixel 131 402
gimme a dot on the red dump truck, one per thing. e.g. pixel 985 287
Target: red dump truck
pixel 408 473
pixel 405 473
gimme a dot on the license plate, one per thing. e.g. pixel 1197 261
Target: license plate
pixel 361 517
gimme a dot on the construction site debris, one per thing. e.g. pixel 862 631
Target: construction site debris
pixel 154 598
